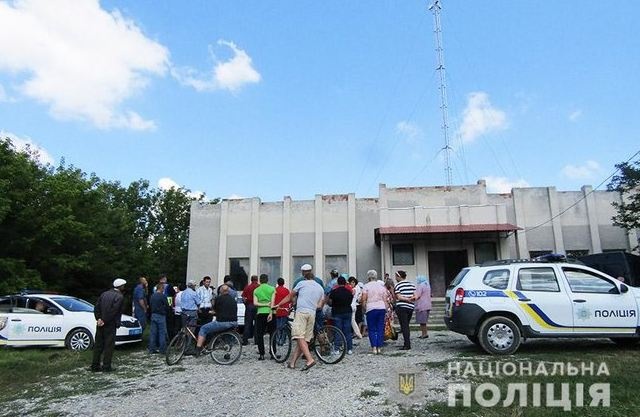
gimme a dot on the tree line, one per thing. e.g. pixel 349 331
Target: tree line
pixel 64 230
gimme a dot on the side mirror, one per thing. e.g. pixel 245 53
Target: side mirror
pixel 624 288
pixel 54 311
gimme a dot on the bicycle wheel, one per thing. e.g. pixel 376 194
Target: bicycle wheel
pixel 176 348
pixel 225 348
pixel 330 344
pixel 281 343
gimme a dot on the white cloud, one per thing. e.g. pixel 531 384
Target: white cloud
pixel 410 131
pixel 575 115
pixel 80 60
pixel 235 197
pixel 134 121
pixel 4 97
pixel 166 183
pixel 230 75
pixel 503 185
pixel 590 169
pixel 25 144
pixel 480 117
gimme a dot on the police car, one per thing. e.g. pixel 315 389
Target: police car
pixel 56 321
pixel 498 304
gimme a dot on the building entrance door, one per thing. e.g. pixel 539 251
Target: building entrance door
pixel 443 267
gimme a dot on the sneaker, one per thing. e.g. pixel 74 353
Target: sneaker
pixel 96 368
pixel 350 352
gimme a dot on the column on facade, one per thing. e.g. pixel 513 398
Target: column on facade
pixel 222 246
pixel 521 235
pixel 255 236
pixel 286 240
pixel 556 224
pixel 592 217
pixel 351 226
pixel 319 235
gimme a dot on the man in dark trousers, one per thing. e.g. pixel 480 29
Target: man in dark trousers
pixel 108 312
pixel 249 310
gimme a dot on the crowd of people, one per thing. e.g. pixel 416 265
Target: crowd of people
pixel 358 309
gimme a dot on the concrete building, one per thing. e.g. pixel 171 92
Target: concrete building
pixel 432 231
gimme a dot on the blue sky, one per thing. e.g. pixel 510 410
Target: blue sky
pixel 267 99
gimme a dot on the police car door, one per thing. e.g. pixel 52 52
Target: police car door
pixel 599 303
pixel 33 327
pixel 543 300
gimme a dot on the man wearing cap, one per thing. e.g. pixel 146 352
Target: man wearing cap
pixel 333 281
pixel 108 312
pixel 189 304
pixel 306 270
pixel 309 298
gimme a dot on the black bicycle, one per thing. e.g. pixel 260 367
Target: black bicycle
pixel 329 343
pixel 224 347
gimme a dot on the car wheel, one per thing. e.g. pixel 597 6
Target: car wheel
pixel 474 339
pixel 79 340
pixel 499 336
pixel 625 341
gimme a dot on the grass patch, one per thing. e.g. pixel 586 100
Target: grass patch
pixel 21 368
pixel 623 366
pixel 25 372
pixel 368 393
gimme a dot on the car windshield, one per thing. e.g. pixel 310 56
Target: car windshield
pixel 73 304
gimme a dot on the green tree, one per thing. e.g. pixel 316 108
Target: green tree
pixel 62 229
pixel 627 183
pixel 20 174
pixel 170 225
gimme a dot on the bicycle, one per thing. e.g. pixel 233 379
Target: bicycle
pixel 224 347
pixel 328 343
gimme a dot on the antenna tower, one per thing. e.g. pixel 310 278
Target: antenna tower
pixel 436 9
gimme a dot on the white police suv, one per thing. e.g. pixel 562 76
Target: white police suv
pixel 56 321
pixel 498 304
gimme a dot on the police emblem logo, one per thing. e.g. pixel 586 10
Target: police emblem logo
pixel 406 383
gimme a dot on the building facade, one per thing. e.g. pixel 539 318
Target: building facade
pixel 430 231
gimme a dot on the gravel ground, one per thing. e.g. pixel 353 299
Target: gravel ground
pixel 361 385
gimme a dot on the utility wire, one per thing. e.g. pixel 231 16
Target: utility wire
pixel 387 111
pixel 581 198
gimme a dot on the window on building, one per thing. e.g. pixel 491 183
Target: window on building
pixel 402 254
pixel 485 251
pixel 298 261
pixel 538 279
pixel 587 282
pixel 498 279
pixel 576 253
pixel 613 250
pixel 338 262
pixel 536 253
pixel 239 272
pixel 272 267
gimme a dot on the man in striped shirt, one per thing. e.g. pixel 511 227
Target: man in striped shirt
pixel 404 291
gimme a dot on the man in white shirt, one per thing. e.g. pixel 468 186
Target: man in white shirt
pixel 205 297
pixel 308 296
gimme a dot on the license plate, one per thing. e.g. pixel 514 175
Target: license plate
pixel 135 331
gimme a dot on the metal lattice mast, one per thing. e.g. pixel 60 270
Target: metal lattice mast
pixel 436 8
